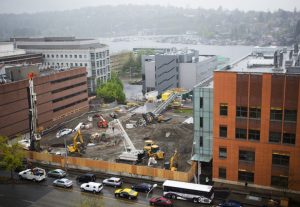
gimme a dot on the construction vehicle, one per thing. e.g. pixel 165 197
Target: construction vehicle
pixel 131 154
pixel 173 163
pixel 102 123
pixel 35 135
pixel 153 150
pixel 77 146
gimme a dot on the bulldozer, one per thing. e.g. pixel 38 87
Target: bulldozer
pixel 77 146
pixel 153 150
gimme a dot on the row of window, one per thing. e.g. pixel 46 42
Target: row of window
pixel 99 63
pixel 68 87
pixel 249 156
pixel 68 78
pixel 245 176
pixel 69 105
pixel 68 96
pixel 99 55
pixel 64 56
pixel 66 64
pixel 254 135
pixel 276 114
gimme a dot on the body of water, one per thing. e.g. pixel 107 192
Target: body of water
pixel 234 52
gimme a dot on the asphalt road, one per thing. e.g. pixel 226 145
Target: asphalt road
pixel 28 193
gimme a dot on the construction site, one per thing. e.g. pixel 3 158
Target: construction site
pixel 156 133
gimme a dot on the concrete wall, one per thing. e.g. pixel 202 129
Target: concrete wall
pixel 187 75
pixel 167 72
pixel 265 91
pixel 150 74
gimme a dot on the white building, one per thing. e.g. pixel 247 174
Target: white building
pixel 8 49
pixel 68 52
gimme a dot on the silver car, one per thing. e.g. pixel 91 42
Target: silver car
pixel 58 173
pixel 64 182
pixel 113 181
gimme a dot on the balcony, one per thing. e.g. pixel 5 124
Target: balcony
pixel 279 170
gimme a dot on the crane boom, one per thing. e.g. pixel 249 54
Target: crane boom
pixel 125 135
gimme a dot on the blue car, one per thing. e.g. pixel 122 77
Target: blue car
pixel 230 203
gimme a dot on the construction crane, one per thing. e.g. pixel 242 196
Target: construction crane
pixel 35 135
pixel 131 154
pixel 153 150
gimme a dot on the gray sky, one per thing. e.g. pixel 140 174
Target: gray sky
pixel 29 6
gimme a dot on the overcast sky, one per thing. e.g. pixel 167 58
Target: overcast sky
pixel 30 6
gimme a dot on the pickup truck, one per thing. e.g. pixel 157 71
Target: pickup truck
pixel 35 174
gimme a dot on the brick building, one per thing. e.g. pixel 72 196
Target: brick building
pixel 60 95
pixel 256 128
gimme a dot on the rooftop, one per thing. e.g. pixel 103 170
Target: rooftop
pixel 281 62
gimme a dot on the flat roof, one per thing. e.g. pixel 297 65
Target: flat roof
pixel 185 185
pixel 62 47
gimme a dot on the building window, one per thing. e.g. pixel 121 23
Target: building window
pixel 223 109
pixel 201 102
pixel 85 56
pixel 61 56
pixel 201 122
pixel 241 111
pixel 48 56
pixel 222 152
pixel 289 138
pixel 222 172
pixel 71 56
pixel 280 181
pixel 52 56
pixel 245 176
pixel 280 159
pixel 223 131
pixel 57 56
pixel 80 64
pixel 66 56
pixel 248 156
pixel 241 133
pixel 274 137
pixel 254 112
pixel 85 64
pixel 76 64
pixel 201 141
pixel 276 114
pixel 80 56
pixel 254 135
pixel 290 115
pixel 75 56
pixel 92 56
pixel 71 64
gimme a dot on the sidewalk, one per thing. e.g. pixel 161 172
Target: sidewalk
pixel 251 196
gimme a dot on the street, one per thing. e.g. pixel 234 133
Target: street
pixel 28 193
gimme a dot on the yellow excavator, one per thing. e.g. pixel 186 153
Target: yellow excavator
pixel 153 150
pixel 173 163
pixel 77 146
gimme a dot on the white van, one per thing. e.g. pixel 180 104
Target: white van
pixel 92 187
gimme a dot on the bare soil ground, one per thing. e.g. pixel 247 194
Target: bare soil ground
pixel 169 136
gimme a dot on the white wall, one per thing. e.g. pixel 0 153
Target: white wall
pixel 187 75
pixel 150 73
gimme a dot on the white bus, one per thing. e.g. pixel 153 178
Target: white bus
pixel 188 191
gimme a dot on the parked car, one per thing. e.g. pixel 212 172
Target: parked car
pixel 63 132
pixel 88 177
pixel 142 187
pixel 57 173
pixel 160 201
pixel 126 193
pixel 35 174
pixel 113 181
pixel 92 187
pixel 230 203
pixel 63 182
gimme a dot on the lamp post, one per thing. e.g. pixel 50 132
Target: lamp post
pixel 66 155
pixel 154 186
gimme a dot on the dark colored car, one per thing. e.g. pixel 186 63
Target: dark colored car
pixel 89 177
pixel 160 201
pixel 142 187
pixel 230 203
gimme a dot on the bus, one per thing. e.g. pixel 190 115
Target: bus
pixel 188 191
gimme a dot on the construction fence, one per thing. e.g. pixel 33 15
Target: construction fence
pixel 112 167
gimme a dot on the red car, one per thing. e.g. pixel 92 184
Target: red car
pixel 160 201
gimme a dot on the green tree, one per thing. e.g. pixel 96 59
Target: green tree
pixel 11 156
pixel 112 90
